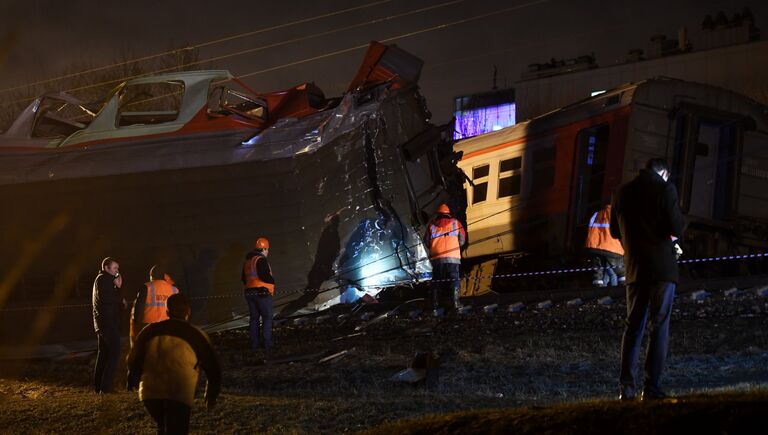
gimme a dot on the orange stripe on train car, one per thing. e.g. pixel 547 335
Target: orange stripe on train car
pixel 590 121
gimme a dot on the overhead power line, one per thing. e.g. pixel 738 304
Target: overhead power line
pixel 326 55
pixel 508 49
pixel 394 38
pixel 256 49
pixel 196 46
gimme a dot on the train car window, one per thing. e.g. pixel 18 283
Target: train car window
pixel 510 164
pixel 150 103
pixel 543 163
pixel 480 192
pixel 58 118
pixel 480 171
pixel 480 179
pixel 223 101
pixel 510 177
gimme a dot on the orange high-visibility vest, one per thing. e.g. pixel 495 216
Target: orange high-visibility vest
pixel 599 233
pixel 252 279
pixel 155 307
pixel 445 240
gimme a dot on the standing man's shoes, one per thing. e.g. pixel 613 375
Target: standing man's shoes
pixel 627 393
pixel 653 394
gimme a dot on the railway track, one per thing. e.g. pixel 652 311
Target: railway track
pixel 560 294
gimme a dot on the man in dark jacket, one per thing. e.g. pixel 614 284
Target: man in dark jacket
pixel 107 302
pixel 165 363
pixel 646 217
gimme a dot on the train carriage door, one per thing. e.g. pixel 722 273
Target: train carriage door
pixel 588 180
pixel 711 157
pixel 706 164
pixel 753 182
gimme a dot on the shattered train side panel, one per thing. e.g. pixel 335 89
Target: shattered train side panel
pixel 332 196
pixel 358 211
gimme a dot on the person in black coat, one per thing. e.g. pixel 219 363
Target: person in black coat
pixel 647 219
pixel 107 304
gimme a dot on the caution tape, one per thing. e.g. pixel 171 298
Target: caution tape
pixel 506 276
pixel 725 257
pixel 588 269
pixel 46 307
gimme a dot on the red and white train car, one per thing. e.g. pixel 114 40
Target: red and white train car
pixel 535 185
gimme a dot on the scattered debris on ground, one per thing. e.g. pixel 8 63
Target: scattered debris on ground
pixel 335 376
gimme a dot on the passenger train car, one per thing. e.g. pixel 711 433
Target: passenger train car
pixel 531 188
pixel 186 169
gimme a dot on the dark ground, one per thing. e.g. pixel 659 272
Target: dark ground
pixel 514 362
pixel 731 413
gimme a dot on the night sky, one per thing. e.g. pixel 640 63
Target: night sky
pixel 44 38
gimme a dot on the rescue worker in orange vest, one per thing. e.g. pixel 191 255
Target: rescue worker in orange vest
pixel 150 305
pixel 604 253
pixel 259 291
pixel 444 238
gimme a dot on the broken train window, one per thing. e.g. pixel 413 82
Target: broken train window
pixel 150 103
pixel 58 118
pixel 223 100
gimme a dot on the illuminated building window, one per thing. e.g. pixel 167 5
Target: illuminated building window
pixel 473 122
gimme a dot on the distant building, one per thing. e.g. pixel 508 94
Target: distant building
pixel 482 113
pixel 727 53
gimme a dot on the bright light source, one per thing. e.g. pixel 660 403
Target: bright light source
pixel 251 141
pixel 597 93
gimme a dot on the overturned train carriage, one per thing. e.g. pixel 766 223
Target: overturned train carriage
pixel 341 191
pixel 535 185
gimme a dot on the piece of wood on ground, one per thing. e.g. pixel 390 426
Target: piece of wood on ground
pixel 335 356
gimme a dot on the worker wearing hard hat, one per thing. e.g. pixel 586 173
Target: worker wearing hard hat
pixel 444 238
pixel 150 305
pixel 259 290
pixel 605 255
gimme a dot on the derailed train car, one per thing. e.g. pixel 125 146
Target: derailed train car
pixel 188 168
pixel 535 185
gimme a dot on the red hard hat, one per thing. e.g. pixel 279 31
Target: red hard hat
pixel 444 209
pixel 262 243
